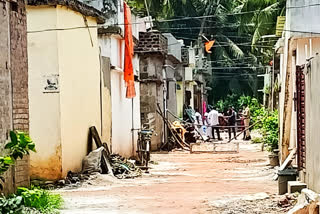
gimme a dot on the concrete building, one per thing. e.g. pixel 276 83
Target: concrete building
pixel 125 113
pixel 298 99
pixel 14 108
pixel 174 71
pixel 152 49
pixel 188 59
pixel 64 83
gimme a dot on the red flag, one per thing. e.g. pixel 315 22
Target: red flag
pixel 209 45
pixel 128 67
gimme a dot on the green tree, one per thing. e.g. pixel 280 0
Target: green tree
pixel 263 20
pixel 237 27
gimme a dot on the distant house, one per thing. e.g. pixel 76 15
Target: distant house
pixel 299 96
pixel 175 77
pixel 14 108
pixel 64 83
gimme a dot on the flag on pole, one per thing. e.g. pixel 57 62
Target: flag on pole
pixel 209 45
pixel 128 66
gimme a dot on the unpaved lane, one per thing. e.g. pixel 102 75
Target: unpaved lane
pixel 179 183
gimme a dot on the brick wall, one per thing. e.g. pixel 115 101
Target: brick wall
pixel 152 42
pixel 19 73
pixel 19 66
pixel 14 113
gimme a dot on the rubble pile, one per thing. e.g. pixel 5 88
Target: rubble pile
pixel 287 201
pixel 272 204
pixel 124 168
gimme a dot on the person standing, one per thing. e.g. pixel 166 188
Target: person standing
pixel 213 122
pixel 232 123
pixel 246 118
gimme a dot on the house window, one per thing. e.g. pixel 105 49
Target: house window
pixel 14 6
pixel 178 87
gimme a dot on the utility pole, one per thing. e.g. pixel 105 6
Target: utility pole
pixel 272 83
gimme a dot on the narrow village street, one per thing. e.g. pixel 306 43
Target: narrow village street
pixel 180 182
pixel 158 106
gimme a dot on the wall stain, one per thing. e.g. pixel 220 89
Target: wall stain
pixel 49 169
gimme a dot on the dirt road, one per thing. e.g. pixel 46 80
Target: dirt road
pixel 180 182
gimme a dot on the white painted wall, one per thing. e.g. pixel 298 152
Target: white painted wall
pixel 174 46
pixel 312 173
pixel 122 142
pixel 301 17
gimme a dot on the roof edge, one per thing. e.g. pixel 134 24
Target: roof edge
pixel 73 5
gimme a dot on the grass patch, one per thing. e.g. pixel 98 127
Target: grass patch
pixel 40 199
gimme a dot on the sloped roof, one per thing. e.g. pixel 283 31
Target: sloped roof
pixel 73 5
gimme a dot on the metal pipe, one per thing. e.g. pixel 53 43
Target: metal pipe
pixel 132 130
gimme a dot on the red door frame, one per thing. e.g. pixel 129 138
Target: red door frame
pixel 300 107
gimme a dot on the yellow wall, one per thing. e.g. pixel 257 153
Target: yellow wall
pixel 80 86
pixel 106 111
pixel 44 108
pixel 77 107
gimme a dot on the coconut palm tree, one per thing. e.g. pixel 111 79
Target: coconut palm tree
pixel 262 21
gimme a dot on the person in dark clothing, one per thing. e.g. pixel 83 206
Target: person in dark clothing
pixel 232 122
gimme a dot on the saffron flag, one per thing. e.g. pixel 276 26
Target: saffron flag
pixel 128 66
pixel 209 45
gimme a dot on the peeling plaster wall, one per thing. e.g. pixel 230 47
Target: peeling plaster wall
pixel 106 111
pixel 151 94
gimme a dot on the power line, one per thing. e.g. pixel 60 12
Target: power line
pixel 211 27
pixel 226 68
pixel 252 57
pixel 210 16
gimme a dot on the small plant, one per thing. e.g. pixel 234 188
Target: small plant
pixel 257 140
pixel 267 90
pixel 5 163
pixel 271 131
pixel 12 204
pixel 20 145
pixel 40 199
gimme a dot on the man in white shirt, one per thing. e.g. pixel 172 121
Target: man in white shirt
pixel 213 120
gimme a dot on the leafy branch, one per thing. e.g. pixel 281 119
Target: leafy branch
pixel 20 145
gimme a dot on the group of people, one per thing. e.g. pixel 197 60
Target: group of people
pixel 213 121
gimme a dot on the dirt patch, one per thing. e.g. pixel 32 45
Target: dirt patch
pixel 181 182
pixel 250 204
pixel 238 160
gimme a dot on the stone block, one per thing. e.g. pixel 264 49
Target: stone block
pixel 296 186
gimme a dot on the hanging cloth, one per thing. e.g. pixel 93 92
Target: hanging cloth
pixel 128 66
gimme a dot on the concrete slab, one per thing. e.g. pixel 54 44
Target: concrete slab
pixel 214 147
pixel 296 186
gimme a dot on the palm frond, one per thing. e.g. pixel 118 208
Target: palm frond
pixel 233 48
